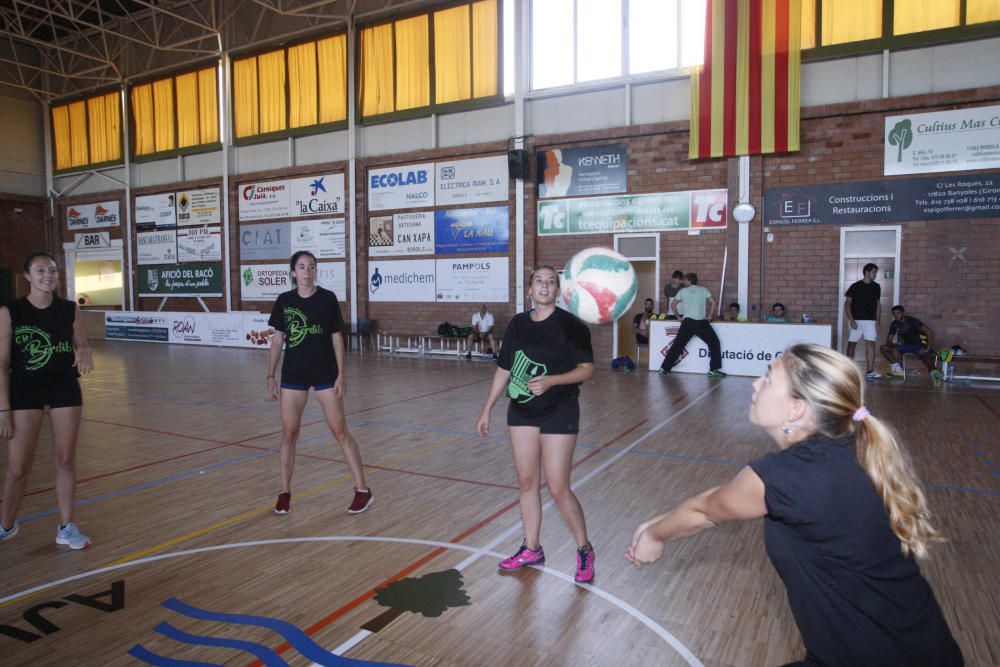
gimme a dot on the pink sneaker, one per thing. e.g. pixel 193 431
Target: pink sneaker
pixel 523 557
pixel 585 565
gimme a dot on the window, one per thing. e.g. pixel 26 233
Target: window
pixel 294 89
pixel 87 132
pixel 442 58
pixel 575 41
pixel 177 112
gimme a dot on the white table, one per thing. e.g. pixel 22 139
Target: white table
pixel 747 347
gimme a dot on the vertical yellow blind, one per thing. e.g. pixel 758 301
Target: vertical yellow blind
pixel 452 55
pixel 918 15
pixel 176 112
pixel 412 63
pixel 104 132
pixel 87 131
pixel 302 93
pixel 163 112
pixel 208 105
pixel 851 21
pixel 377 89
pixel 246 117
pixel 188 120
pixel 980 11
pixel 271 82
pixel 143 120
pixel 61 137
pixel 78 134
pixel 807 38
pixel 332 57
pixel 485 51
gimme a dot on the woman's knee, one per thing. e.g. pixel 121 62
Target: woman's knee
pixel 65 460
pixel 560 493
pixel 17 473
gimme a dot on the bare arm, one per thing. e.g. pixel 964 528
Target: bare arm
pixel 711 308
pixel 274 356
pixel 847 312
pixel 340 387
pixel 500 378
pixel 927 331
pixel 740 499
pixel 539 384
pixel 878 316
pixel 6 337
pixel 83 359
pixel 673 308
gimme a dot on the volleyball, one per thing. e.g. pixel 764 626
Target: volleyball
pixel 599 285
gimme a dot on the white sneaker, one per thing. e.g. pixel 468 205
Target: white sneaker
pixel 7 533
pixel 71 536
pixel 896 370
pixel 872 375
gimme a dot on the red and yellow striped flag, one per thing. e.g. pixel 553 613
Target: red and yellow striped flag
pixel 745 98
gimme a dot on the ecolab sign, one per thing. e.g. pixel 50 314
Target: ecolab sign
pixel 401 187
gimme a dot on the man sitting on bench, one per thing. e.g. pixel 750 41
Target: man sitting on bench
pixel 482 330
pixel 908 335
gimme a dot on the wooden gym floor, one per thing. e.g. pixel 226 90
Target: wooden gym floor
pixel 178 473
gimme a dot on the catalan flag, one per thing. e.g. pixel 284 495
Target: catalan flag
pixel 745 97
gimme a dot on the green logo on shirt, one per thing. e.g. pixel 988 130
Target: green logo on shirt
pixel 298 326
pixel 37 344
pixel 523 370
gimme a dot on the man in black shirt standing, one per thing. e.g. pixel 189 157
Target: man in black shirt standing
pixel 863 308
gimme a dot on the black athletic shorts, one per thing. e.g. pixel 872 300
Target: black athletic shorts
pixel 61 393
pixel 562 419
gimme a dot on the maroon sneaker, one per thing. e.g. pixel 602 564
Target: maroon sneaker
pixel 362 501
pixel 284 504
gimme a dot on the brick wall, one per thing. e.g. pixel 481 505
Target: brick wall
pixel 24 229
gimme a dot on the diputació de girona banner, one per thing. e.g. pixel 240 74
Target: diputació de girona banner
pixel 660 212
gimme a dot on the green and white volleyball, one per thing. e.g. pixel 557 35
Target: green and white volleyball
pixel 599 285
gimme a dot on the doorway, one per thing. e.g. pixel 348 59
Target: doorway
pixel 94 277
pixel 643 250
pixel 860 246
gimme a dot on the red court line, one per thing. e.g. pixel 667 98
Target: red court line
pixel 986 405
pixel 153 430
pixel 420 562
pixel 413 398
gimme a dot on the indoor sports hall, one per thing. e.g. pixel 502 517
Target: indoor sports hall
pixel 493 200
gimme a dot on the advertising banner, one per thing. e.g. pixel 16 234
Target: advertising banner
pixel 260 201
pixel 93 240
pixel 317 195
pixel 236 329
pixel 187 280
pixel 401 280
pixel 409 186
pixel 401 234
pixel 945 197
pixel 156 247
pixel 199 244
pixel 661 212
pixel 474 279
pixel 591 170
pixel 155 211
pixel 333 276
pixel 958 140
pixel 747 348
pixel 265 241
pixel 199 207
pixel 323 238
pixel 479 180
pixel 93 216
pixel 136 326
pixel 467 230
pixel 264 282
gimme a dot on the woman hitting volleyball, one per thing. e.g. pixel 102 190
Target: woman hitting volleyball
pixel 545 356
pixel 309 326
pixel 43 350
pixel 844 518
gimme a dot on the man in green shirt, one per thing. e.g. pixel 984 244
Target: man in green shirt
pixel 698 308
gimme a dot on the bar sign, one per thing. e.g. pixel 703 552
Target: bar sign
pixel 93 240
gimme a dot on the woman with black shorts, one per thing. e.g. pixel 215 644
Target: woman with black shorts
pixel 545 356
pixel 43 350
pixel 309 327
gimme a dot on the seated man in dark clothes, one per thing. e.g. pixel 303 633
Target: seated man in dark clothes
pixel 908 335
pixel 640 323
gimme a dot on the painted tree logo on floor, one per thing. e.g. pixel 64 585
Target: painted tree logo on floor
pixel 430 595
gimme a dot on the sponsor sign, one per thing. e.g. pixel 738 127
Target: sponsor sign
pixel 945 197
pixel 91 216
pixel 323 238
pixel 662 212
pixel 265 241
pixel 199 207
pixel 333 276
pixel 958 140
pixel 473 279
pixel 155 211
pixel 409 186
pixel 158 247
pixel 264 282
pixel 236 329
pixel 199 244
pixel 401 280
pixel 747 348
pixel 181 280
pixel 401 234
pixel 317 195
pixel 591 170
pixel 93 240
pixel 136 326
pixel 260 201
pixel 472 181
pixel 467 230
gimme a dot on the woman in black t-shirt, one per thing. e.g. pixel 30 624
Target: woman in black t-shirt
pixel 309 327
pixel 43 350
pixel 844 518
pixel 545 355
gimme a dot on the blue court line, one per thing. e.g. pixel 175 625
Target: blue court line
pixel 985 457
pixel 142 653
pixel 259 651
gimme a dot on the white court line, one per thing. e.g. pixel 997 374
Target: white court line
pixel 621 604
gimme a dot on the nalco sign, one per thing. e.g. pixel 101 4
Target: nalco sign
pixel 90 216
pixel 293 198
pixel 401 187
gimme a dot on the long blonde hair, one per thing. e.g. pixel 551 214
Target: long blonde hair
pixel 831 384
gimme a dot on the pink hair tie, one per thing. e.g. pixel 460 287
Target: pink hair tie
pixel 860 414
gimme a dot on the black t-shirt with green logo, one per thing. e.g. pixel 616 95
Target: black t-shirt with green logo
pixel 556 345
pixel 308 325
pixel 42 343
